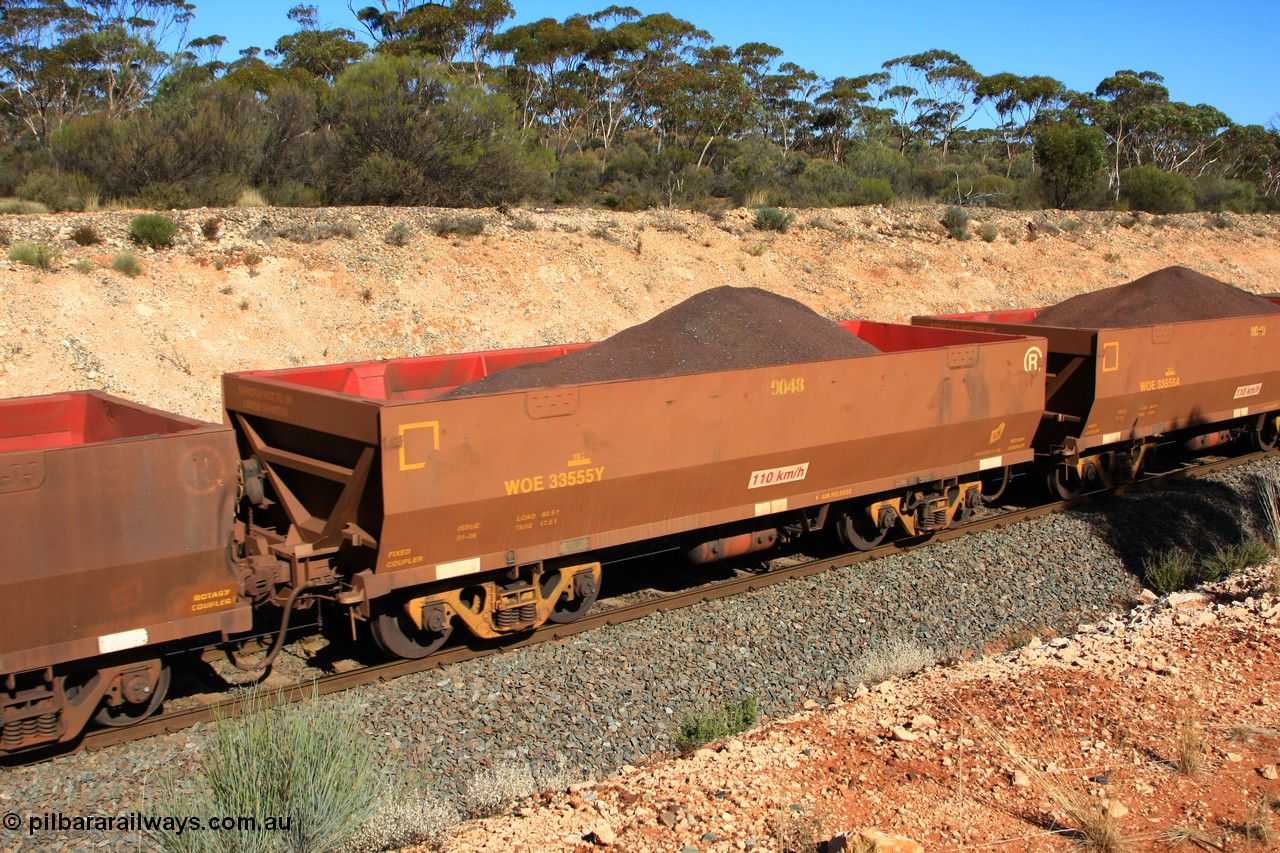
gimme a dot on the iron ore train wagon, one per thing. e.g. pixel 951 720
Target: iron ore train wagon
pixel 426 510
pixel 1174 357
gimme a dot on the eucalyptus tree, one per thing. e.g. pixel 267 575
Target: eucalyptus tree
pixel 630 51
pixel 321 53
pixel 1120 104
pixel 1018 102
pixel 756 59
pixel 847 109
pixel 124 44
pixel 1252 153
pixel 709 98
pixel 933 93
pixel 552 55
pixel 196 66
pixel 788 103
pixel 64 58
pixel 660 68
pixel 41 82
pixel 443 30
pixel 1178 137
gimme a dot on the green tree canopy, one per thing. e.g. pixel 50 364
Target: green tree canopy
pixel 1070 157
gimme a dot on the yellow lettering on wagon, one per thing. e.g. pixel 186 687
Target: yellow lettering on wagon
pixel 402 557
pixel 779 387
pixel 213 599
pixel 1169 380
pixel 578 476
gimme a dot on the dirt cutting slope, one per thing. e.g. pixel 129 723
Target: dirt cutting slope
pixel 288 287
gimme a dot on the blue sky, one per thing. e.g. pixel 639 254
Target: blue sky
pixel 1220 53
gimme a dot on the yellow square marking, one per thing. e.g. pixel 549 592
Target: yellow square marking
pixel 1110 356
pixel 405 465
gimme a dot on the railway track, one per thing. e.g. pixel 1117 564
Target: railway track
pixel 177 720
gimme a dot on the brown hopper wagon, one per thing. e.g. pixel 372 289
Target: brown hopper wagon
pixel 495 510
pixel 119 520
pixel 1111 392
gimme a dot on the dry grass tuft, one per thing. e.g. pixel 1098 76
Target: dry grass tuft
pixel 1261 826
pixel 251 198
pixel 496 789
pixel 1094 822
pixel 1269 495
pixel 800 830
pixel 1249 732
pixel 898 657
pixel 1189 748
pixel 1176 836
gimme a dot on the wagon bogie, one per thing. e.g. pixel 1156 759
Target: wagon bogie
pixel 413 624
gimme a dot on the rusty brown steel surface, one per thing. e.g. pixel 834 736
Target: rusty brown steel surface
pixel 176 721
pixel 120 520
pixel 484 482
pixel 1118 384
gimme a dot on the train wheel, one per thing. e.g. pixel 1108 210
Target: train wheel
pixel 1065 482
pixel 1265 436
pixel 141 700
pixel 586 591
pixel 856 531
pixel 397 635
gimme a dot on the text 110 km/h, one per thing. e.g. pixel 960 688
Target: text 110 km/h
pixel 776 476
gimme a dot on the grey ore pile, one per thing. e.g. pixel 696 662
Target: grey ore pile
pixel 724 328
pixel 1170 295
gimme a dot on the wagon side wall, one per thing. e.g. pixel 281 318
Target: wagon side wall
pixel 476 483
pixel 118 544
pixel 1132 383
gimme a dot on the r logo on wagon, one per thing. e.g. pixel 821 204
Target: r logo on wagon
pixel 778 476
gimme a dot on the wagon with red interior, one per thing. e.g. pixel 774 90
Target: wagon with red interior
pixel 426 510
pixel 119 522
pixel 1114 390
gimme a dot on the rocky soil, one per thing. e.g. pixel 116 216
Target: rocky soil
pixel 963 757
pixel 1063 743
pixel 275 288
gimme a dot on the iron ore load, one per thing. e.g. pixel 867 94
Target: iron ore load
pixel 485 493
pixel 1174 354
